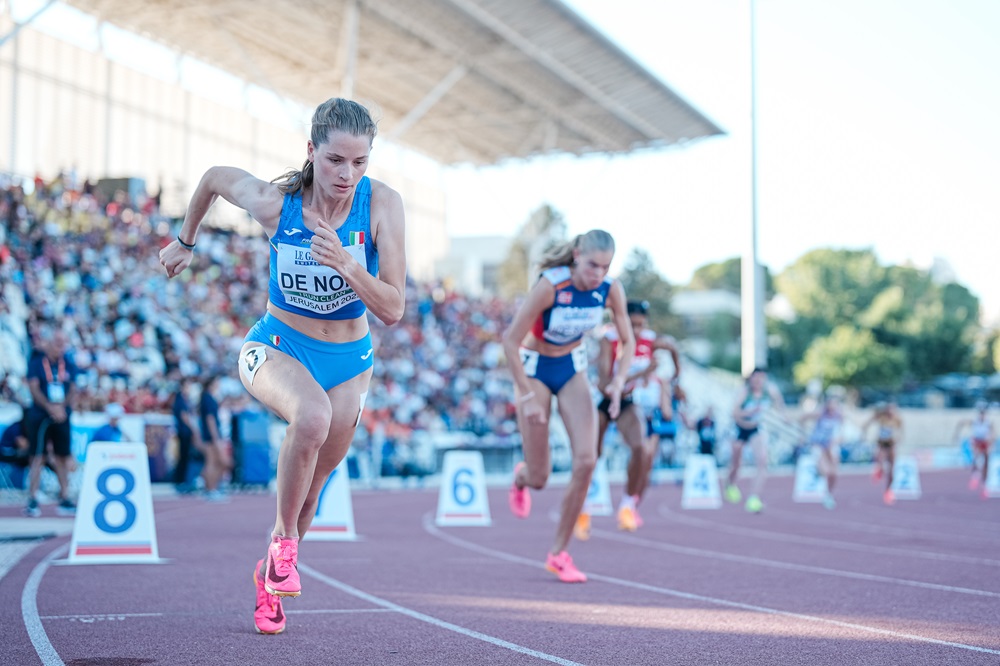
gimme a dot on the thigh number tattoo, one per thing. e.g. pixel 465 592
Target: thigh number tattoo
pixel 251 360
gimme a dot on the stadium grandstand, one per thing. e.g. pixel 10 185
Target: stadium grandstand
pixel 115 108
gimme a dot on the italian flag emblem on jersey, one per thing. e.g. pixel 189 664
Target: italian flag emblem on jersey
pixel 357 238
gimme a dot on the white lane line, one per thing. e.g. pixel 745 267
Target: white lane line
pixel 517 559
pixel 789 566
pixel 826 543
pixel 88 619
pixel 29 610
pixel 422 617
pixel 340 611
pixel 101 617
pixel 883 530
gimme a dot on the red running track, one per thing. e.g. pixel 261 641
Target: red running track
pixel 916 583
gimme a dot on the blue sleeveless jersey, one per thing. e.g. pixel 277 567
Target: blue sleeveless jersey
pixel 302 285
pixel 756 405
pixel 573 312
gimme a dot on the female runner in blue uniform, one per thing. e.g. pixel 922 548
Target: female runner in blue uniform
pixel 755 398
pixel 546 355
pixel 826 434
pixel 336 244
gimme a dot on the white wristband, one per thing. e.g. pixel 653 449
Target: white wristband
pixel 526 397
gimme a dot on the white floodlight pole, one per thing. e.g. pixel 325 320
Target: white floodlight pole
pixel 754 343
pixel 348 56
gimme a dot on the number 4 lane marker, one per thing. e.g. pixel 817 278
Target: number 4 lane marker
pixel 114 515
pixel 462 499
pixel 701 483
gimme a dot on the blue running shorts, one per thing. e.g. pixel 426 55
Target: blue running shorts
pixel 329 363
pixel 554 371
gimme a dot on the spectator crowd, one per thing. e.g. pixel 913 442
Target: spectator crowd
pixel 73 258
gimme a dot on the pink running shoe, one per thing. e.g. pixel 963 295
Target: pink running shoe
pixel 562 566
pixel 518 498
pixel 974 481
pixel 282 577
pixel 268 617
pixel 889 497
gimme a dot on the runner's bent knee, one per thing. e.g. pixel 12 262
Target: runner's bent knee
pixel 584 462
pixel 310 424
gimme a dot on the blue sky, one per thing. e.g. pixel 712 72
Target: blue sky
pixel 877 128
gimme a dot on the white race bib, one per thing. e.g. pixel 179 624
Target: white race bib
pixel 567 324
pixel 307 284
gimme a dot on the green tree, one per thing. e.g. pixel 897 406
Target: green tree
pixel 545 228
pixel 833 286
pixel 941 331
pixel 985 351
pixel 935 324
pixel 996 352
pixel 726 275
pixel 794 338
pixel 642 282
pixel 723 331
pixel 850 357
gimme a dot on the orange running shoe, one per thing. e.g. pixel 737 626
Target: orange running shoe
pixel 582 528
pixel 282 576
pixel 562 566
pixel 268 617
pixel 626 519
pixel 518 498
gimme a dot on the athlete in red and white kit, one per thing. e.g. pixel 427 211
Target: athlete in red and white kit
pixel 631 421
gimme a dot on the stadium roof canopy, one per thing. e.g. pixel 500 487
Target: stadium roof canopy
pixel 462 81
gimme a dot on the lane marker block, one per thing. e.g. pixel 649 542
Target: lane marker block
pixel 462 499
pixel 701 483
pixel 334 520
pixel 114 515
pixel 810 485
pixel 906 478
pixel 598 502
pixel 993 476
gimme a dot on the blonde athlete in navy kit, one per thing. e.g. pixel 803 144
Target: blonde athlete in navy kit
pixel 546 357
pixel 336 244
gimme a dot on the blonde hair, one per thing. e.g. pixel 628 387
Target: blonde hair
pixel 595 240
pixel 333 115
